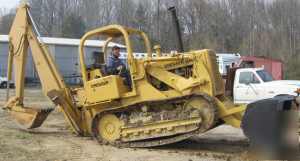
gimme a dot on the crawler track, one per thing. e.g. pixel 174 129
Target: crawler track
pixel 160 140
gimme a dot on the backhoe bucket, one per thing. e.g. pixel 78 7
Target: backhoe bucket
pixel 271 126
pixel 30 118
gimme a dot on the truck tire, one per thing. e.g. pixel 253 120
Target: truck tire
pixel 3 85
pixel 12 86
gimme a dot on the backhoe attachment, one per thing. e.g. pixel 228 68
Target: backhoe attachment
pixel 19 41
pixel 24 35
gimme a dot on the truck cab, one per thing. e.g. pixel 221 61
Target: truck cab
pixel 251 84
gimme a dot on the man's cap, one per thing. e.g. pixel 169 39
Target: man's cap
pixel 115 47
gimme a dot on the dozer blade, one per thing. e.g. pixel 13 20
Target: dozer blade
pixel 271 126
pixel 30 118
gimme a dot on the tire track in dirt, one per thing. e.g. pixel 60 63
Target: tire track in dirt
pixel 54 141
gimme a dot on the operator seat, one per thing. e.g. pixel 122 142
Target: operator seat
pixel 96 71
pixel 98 68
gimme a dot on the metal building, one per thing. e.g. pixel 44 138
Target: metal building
pixel 64 52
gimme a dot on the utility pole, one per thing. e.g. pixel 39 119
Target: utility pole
pixel 291 37
pixel 122 12
pixel 251 38
pixel 158 18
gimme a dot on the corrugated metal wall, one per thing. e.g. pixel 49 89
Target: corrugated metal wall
pixel 65 56
pixel 4 57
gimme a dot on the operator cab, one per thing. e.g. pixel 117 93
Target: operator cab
pixel 99 85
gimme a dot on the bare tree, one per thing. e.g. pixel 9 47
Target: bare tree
pixel 256 27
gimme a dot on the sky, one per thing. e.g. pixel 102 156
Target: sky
pixel 8 3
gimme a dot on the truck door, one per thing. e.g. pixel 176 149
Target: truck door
pixel 246 87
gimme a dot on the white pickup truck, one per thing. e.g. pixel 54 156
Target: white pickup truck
pixel 3 82
pixel 251 84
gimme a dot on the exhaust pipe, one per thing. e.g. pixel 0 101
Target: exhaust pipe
pixel 177 27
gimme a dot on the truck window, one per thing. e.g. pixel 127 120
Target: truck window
pixel 248 77
pixel 264 75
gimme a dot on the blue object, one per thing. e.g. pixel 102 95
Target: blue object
pixel 113 63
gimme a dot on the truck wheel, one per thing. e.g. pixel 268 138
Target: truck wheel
pixel 12 86
pixel 3 85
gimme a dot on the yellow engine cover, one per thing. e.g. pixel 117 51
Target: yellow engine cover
pixel 104 89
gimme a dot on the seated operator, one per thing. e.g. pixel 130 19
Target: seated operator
pixel 116 67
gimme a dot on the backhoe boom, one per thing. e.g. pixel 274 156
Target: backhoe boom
pixel 21 37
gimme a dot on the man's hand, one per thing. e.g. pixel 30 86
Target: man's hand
pixel 119 68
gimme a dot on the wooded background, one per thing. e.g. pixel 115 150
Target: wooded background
pixel 268 28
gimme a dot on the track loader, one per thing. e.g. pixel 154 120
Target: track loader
pixel 171 97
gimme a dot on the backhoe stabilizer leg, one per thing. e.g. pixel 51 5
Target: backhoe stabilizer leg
pixel 271 126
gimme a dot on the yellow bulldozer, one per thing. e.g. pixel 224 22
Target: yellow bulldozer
pixel 172 96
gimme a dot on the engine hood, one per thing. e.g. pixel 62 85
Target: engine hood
pixel 285 83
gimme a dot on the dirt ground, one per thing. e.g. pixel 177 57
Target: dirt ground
pixel 54 142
